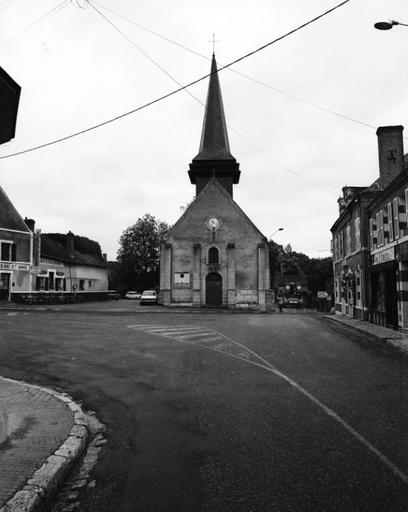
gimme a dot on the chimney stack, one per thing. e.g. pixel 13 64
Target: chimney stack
pixel 390 153
pixel 30 223
pixel 70 243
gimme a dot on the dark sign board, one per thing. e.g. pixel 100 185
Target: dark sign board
pixel 9 98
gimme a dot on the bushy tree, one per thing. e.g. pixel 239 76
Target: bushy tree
pixel 138 254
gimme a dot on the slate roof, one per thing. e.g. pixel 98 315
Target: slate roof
pixel 86 251
pixel 214 143
pixel 9 216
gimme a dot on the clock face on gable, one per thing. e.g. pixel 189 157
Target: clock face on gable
pixel 213 223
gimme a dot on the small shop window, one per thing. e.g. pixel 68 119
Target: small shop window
pixel 82 284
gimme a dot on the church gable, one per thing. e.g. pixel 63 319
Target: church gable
pixel 214 202
pixel 9 216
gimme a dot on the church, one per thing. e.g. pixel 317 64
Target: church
pixel 214 255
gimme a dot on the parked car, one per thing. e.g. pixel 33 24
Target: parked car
pixel 292 303
pixel 133 295
pixel 148 297
pixel 113 295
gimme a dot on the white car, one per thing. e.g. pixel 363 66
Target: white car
pixel 133 295
pixel 148 297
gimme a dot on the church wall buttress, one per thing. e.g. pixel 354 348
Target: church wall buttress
pixel 231 274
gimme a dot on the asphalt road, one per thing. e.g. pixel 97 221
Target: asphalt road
pixel 218 412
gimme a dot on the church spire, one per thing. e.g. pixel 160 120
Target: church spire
pixel 214 137
pixel 214 158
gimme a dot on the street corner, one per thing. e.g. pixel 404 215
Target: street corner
pixel 42 434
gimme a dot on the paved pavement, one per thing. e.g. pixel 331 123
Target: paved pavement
pixel 43 432
pixel 395 339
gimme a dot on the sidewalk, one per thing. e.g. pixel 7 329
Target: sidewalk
pixel 395 339
pixel 41 435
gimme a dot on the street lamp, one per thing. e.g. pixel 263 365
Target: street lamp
pixel 274 233
pixel 387 24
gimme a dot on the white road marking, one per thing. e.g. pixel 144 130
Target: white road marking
pixel 168 332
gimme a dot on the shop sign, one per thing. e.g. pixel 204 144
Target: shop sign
pixel 384 256
pixel 14 266
pixel 402 251
pixel 44 261
pixel 322 295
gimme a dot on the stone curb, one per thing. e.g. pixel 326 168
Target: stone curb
pixel 137 312
pixel 394 339
pixel 43 483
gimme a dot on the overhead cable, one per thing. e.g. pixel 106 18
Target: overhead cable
pixel 244 75
pixel 172 93
pixel 52 11
pixel 288 169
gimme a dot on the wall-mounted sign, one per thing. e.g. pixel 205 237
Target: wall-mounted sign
pixel 182 278
pixel 55 263
pixel 384 256
pixel 14 266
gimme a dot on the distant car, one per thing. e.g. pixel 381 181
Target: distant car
pixel 148 297
pixel 292 303
pixel 133 295
pixel 113 295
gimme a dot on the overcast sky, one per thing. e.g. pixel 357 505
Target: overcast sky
pixel 76 70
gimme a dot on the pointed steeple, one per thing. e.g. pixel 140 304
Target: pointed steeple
pixel 214 136
pixel 214 158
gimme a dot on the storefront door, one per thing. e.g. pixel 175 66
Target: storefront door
pixel 4 286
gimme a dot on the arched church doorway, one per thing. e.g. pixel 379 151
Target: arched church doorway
pixel 213 289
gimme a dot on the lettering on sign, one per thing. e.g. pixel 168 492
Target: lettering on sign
pixel 182 278
pixel 44 261
pixel 384 256
pixel 14 266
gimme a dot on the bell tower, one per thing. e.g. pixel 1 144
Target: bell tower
pixel 214 159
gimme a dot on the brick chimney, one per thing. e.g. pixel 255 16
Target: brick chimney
pixel 30 223
pixel 70 243
pixel 390 153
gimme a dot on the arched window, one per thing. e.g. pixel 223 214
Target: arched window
pixel 213 256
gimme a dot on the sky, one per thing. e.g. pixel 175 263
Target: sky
pixel 82 63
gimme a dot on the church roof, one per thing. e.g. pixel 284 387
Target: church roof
pixel 9 216
pixel 214 143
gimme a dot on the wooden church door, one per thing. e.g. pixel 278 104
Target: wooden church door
pixel 213 289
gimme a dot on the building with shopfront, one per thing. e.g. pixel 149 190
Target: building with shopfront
pixel 214 255
pixel 370 241
pixel 47 268
pixel 16 242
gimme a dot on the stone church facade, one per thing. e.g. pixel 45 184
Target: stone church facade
pixel 214 255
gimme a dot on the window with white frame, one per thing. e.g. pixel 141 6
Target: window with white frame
pixel 7 251
pixel 396 218
pixel 390 222
pixel 380 228
pixel 348 240
pixel 357 236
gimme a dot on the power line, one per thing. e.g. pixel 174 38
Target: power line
pixel 52 11
pixel 288 169
pixel 172 93
pixel 244 75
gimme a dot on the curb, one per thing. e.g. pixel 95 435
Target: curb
pixel 43 483
pixel 393 339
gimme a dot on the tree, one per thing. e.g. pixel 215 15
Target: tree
pixel 139 251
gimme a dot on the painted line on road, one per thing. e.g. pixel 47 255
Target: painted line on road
pixel 266 365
